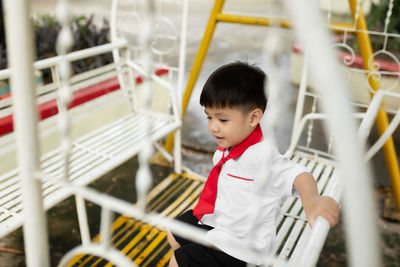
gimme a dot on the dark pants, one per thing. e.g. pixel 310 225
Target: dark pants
pixel 193 254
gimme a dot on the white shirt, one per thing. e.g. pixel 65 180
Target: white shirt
pixel 236 219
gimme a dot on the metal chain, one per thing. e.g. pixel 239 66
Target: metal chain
pixel 311 124
pixel 64 44
pixel 144 177
pixel 387 21
pixel 330 143
pixel 272 89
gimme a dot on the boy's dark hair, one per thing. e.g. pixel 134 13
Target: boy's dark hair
pixel 236 84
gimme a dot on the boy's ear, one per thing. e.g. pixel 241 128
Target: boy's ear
pixel 255 117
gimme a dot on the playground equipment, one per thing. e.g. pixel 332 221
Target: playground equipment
pixel 78 160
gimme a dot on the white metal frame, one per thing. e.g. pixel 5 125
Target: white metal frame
pixel 352 171
pixel 20 49
pixel 52 161
pixel 354 174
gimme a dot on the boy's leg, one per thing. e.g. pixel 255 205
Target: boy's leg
pixel 176 242
pixel 172 261
pixel 196 255
pixel 189 253
pixel 189 218
pixel 172 242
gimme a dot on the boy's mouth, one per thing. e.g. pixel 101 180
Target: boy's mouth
pixel 219 139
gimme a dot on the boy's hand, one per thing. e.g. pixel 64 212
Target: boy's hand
pixel 323 206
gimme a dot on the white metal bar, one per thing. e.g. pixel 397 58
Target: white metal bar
pixel 73 56
pixel 177 151
pixel 163 152
pixel 293 237
pixel 20 54
pixel 83 222
pixel 105 227
pixel 87 75
pixel 115 52
pixel 300 243
pixel 294 204
pixel 130 91
pixel 319 231
pixel 311 116
pixel 288 222
pixel 300 100
pixel 50 92
pixel 182 53
pixel 143 175
pixel 384 137
pixel 359 208
pixel 372 112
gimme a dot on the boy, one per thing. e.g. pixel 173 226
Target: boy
pixel 234 102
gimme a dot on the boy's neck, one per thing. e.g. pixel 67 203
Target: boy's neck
pixel 230 148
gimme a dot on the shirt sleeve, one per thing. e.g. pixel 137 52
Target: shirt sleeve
pixel 282 173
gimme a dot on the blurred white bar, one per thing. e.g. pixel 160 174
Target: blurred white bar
pixel 20 54
pixel 359 209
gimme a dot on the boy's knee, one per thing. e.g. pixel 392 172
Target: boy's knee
pixel 172 242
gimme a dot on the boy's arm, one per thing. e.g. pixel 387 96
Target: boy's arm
pixel 314 204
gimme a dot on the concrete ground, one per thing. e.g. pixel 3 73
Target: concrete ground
pixel 230 43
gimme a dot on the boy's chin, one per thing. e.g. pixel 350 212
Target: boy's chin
pixel 224 145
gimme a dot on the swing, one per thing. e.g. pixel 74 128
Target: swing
pixel 98 146
pixel 68 169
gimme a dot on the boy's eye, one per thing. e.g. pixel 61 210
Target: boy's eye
pixel 222 120
pixel 208 118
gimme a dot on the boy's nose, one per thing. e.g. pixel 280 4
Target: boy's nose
pixel 213 127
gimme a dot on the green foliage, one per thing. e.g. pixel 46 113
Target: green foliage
pixel 46 30
pixel 376 22
pixel 85 32
pixel 377 16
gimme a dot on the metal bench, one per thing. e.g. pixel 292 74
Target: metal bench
pixel 104 132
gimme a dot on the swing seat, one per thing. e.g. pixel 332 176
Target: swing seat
pixel 99 146
pixel 147 245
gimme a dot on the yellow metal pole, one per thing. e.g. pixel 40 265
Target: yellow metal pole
pixel 252 20
pixel 198 62
pixel 276 21
pixel 382 118
pixel 341 27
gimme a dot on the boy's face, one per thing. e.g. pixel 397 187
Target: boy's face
pixel 230 125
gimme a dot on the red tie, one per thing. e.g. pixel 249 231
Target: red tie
pixel 208 196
